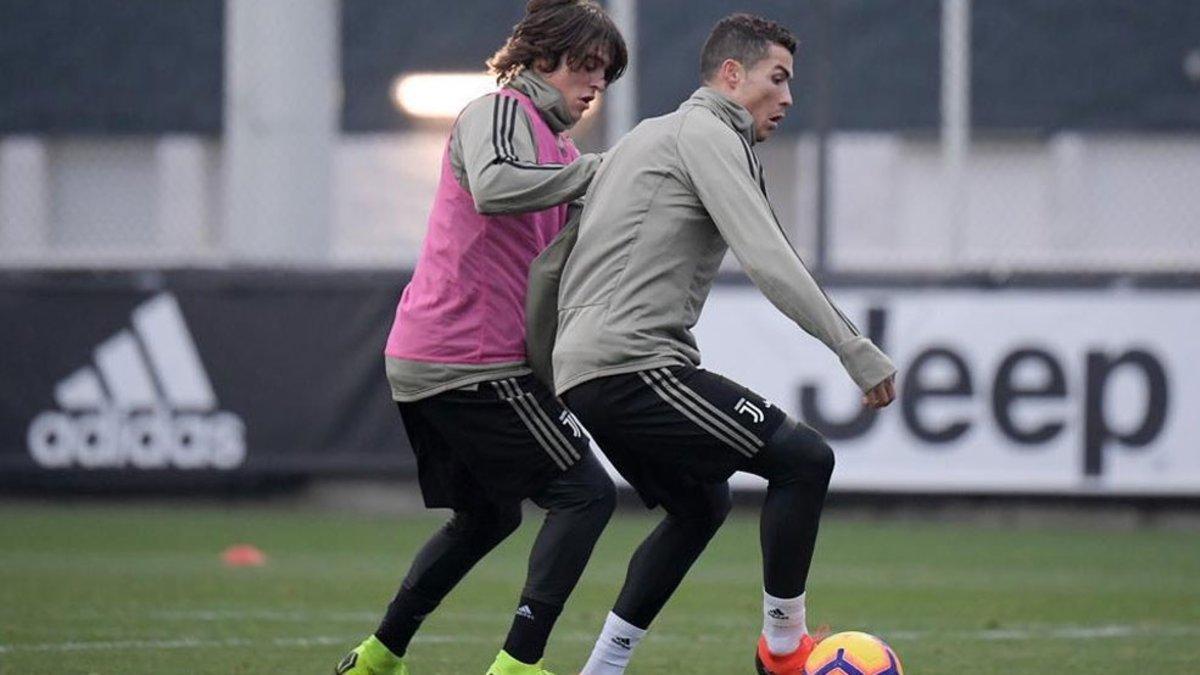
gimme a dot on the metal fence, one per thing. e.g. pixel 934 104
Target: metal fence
pixel 932 136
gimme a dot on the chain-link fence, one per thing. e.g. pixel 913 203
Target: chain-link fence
pixel 1081 151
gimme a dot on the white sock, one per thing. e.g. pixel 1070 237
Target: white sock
pixel 613 648
pixel 783 623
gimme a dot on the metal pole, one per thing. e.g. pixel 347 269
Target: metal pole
pixel 956 118
pixel 281 125
pixel 621 101
pixel 823 125
pixel 24 198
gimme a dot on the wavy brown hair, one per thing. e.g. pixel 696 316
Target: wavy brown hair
pixel 745 38
pixel 557 29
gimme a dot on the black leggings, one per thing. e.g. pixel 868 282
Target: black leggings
pixel 578 505
pixel 797 463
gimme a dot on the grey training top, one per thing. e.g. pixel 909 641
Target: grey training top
pixel 670 199
pixel 498 184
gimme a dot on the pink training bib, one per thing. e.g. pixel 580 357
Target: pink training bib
pixel 466 301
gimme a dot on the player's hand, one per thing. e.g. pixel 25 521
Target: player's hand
pixel 881 394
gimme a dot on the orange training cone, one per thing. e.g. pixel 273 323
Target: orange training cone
pixel 244 555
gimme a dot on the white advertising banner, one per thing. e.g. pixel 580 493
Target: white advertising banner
pixel 1031 391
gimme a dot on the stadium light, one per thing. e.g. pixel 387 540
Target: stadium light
pixel 439 96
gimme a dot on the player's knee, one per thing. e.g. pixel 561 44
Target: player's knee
pixel 505 521
pixel 718 510
pixel 799 453
pixel 706 516
pixel 603 498
pixel 586 488
pixel 820 459
pixel 491 525
pixel 593 501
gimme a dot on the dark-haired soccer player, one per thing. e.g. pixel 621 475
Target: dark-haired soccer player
pixel 671 198
pixel 486 434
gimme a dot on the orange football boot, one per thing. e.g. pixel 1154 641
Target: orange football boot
pixel 787 664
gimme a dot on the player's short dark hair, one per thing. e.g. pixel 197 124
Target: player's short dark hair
pixel 745 38
pixel 554 29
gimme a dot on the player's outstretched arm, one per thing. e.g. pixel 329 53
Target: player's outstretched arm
pixel 725 175
pixel 494 143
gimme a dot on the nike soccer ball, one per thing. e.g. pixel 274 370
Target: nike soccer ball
pixel 852 653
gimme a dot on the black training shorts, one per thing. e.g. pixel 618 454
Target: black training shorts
pixel 667 429
pixel 498 441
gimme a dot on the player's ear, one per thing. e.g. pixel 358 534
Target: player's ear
pixel 731 73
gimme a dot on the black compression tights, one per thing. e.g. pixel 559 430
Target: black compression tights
pixel 438 567
pixel 661 561
pixel 797 464
pixel 578 505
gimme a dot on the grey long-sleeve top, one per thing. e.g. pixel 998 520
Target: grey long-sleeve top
pixel 670 199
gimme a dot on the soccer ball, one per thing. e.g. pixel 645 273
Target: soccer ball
pixel 853 653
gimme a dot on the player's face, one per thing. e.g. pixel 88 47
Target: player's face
pixel 579 87
pixel 766 91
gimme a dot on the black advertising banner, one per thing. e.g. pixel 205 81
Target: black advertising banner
pixel 242 381
pixel 195 378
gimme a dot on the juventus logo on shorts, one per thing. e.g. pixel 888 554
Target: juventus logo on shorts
pixel 573 424
pixel 755 413
pixel 540 423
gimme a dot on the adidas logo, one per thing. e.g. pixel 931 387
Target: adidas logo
pixel 779 614
pixel 147 403
pixel 347 663
pixel 623 642
pixel 524 611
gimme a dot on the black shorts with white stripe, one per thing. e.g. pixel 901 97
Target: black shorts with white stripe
pixel 494 442
pixel 666 429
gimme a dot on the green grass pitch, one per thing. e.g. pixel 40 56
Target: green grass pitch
pixel 129 589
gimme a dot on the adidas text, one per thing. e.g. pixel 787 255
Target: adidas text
pixel 142 440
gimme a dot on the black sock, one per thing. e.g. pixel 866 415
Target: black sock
pixel 404 616
pixel 530 630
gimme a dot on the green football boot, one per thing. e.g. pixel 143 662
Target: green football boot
pixel 507 665
pixel 371 658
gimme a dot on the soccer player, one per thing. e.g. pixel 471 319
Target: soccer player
pixel 670 199
pixel 486 434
